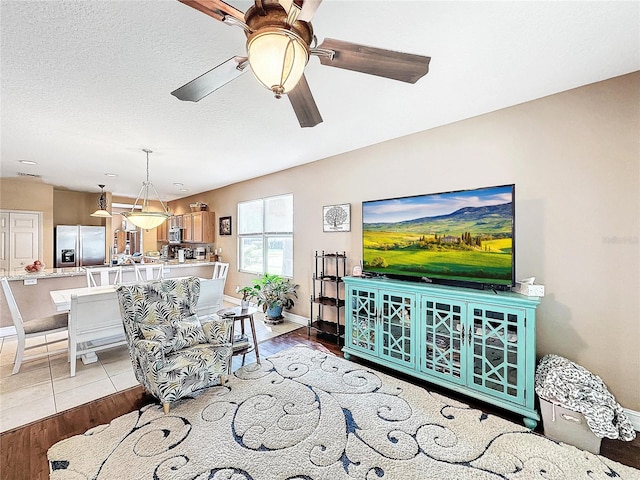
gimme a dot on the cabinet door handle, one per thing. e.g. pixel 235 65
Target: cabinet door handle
pixel 469 335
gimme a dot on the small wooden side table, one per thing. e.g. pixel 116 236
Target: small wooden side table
pixel 239 313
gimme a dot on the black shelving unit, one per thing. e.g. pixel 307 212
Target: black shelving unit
pixel 327 297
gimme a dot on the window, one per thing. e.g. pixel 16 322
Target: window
pixel 265 235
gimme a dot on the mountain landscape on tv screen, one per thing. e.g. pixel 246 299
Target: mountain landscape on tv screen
pixel 470 244
pixel 492 219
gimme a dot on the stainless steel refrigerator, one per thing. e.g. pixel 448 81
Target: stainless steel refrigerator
pixel 79 246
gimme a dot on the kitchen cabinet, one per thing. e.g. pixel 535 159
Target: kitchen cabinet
pixel 175 221
pixel 162 231
pixel 199 227
pixel 475 342
pixel 187 228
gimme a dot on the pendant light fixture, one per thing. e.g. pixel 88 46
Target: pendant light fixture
pixel 102 205
pixel 144 217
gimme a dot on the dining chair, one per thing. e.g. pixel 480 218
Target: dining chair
pixel 211 293
pixel 94 324
pixel 33 328
pixel 220 270
pixel 103 275
pixel 145 272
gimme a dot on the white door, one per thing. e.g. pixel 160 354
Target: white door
pixel 4 241
pixel 24 239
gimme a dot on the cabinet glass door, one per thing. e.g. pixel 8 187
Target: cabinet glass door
pixel 442 339
pixel 497 348
pixel 362 335
pixel 396 327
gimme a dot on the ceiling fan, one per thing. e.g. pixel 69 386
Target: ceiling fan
pixel 280 40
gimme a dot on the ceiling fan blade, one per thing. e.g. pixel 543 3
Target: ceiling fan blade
pixel 215 8
pixel 215 78
pixel 304 105
pixel 307 8
pixel 405 67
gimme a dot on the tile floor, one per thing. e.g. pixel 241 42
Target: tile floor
pixel 43 386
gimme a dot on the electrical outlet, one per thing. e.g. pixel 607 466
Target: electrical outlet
pixel 30 281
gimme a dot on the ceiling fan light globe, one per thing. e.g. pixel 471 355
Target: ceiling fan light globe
pixel 277 58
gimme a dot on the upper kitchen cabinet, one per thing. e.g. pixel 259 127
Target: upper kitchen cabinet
pixel 199 227
pixel 162 231
pixel 175 222
pixel 187 228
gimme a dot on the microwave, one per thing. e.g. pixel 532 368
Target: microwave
pixel 175 235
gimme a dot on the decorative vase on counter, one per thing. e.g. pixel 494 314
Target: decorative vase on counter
pixel 244 304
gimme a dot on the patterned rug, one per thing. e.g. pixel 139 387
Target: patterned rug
pixel 309 415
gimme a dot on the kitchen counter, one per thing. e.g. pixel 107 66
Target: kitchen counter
pixel 31 290
pixel 21 274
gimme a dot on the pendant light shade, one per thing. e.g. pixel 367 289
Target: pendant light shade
pixel 102 205
pixel 144 217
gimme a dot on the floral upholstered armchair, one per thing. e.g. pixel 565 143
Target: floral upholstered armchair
pixel 174 352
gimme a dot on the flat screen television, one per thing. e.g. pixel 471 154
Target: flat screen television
pixel 463 238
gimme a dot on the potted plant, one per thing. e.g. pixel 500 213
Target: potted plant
pixel 273 293
pixel 247 293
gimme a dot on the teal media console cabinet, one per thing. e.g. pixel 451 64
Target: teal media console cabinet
pixel 477 342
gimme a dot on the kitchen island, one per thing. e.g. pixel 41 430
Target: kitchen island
pixel 31 290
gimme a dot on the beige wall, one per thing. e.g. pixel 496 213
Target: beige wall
pixel 24 193
pixel 575 160
pixel 75 208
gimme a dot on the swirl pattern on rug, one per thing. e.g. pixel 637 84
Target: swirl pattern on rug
pixel 309 415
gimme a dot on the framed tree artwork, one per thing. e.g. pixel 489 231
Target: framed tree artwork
pixel 336 218
pixel 225 225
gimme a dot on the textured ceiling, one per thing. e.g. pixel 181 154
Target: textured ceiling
pixel 86 84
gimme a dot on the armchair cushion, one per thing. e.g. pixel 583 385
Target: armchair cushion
pixel 161 301
pixel 217 330
pixel 175 334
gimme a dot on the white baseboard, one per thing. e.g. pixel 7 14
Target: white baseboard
pixel 234 300
pixel 292 317
pixel 7 331
pixel 634 418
